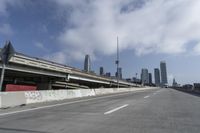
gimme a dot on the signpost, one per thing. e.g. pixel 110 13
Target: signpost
pixel 6 53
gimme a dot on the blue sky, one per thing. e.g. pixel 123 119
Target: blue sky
pixel 149 31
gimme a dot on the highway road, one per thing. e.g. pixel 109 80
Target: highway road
pixel 150 111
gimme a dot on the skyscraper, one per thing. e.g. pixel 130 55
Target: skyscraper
pixel 150 78
pixel 163 70
pixel 108 74
pixel 174 84
pixel 145 76
pixel 120 73
pixel 87 63
pixel 157 76
pixel 101 72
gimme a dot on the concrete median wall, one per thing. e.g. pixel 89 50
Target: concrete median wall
pixel 11 99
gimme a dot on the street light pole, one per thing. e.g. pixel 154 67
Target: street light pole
pixel 136 79
pixel 2 75
pixel 117 62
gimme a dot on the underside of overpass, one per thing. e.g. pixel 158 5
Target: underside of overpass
pixel 45 82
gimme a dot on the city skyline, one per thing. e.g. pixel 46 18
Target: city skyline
pixel 145 76
pixel 163 73
pixel 101 71
pixel 58 32
pixel 157 76
pixel 150 79
pixel 87 63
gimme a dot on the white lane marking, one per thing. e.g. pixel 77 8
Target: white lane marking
pixel 155 93
pixel 66 103
pixel 113 110
pixel 146 97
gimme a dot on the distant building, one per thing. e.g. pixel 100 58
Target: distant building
pixel 150 78
pixel 87 64
pixel 174 84
pixel 120 73
pixel 187 87
pixel 129 80
pixel 196 87
pixel 135 80
pixel 145 76
pixel 92 72
pixel 163 70
pixel 108 74
pixel 157 76
pixel 101 71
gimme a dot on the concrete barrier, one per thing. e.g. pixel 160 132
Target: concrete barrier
pixel 10 99
pixel 53 95
pixel 87 92
pixel 101 91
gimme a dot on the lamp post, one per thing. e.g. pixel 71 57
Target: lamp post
pixel 117 62
pixel 136 79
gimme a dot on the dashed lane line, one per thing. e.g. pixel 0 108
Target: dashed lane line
pixel 113 110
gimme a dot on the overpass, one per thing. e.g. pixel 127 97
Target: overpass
pixel 24 69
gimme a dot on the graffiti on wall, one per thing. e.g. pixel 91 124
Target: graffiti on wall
pixel 33 95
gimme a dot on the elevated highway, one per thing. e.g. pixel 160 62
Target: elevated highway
pixel 23 69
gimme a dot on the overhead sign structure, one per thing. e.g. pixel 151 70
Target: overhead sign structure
pixel 6 53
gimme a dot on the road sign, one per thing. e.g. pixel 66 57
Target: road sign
pixel 6 53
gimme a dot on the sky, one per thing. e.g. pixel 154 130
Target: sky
pixel 149 31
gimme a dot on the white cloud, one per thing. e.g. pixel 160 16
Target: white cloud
pixel 58 57
pixel 159 26
pixel 39 45
pixel 4 5
pixel 67 55
pixel 6 29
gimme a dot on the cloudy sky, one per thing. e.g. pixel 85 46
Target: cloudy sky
pixel 149 31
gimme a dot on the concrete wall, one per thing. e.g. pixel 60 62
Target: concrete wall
pixel 10 99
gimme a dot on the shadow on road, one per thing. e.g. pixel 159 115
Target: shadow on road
pixel 19 130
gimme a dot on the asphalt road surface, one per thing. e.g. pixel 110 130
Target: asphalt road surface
pixel 151 111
